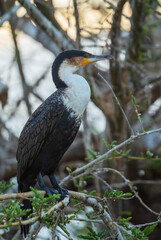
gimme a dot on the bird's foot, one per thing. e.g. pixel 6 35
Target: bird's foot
pixel 64 193
pixel 49 191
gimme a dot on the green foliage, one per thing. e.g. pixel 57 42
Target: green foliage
pixel 11 212
pixel 152 160
pixel 126 153
pixel 93 193
pixel 136 233
pixel 149 154
pixel 109 145
pixel 4 186
pixel 116 194
pixel 91 216
pixel 39 202
pixel 69 170
pixel 92 235
pixel 134 101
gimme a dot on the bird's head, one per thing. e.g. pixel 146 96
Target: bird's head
pixel 70 61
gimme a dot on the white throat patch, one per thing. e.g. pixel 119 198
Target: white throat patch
pixel 77 94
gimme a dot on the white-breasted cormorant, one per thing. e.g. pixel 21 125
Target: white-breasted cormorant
pixel 53 126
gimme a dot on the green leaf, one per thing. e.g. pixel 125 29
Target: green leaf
pixel 149 153
pixel 85 237
pixel 69 170
pixel 93 154
pixel 133 100
pixel 101 233
pixel 4 186
pixel 149 229
pixel 106 193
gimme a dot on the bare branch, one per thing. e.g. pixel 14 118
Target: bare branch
pixel 22 75
pixel 107 154
pixel 76 13
pixel 46 25
pixel 7 16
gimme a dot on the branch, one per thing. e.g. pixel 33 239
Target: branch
pixel 86 199
pixel 19 195
pixel 46 25
pixel 76 13
pixel 106 155
pixel 25 25
pixel 3 94
pixel 21 72
pixel 130 184
pixel 104 215
pixel 7 16
pixel 59 205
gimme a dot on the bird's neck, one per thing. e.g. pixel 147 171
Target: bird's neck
pixel 77 92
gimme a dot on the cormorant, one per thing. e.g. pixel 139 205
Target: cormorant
pixel 53 126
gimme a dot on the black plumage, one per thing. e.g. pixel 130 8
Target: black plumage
pixel 46 136
pixel 50 130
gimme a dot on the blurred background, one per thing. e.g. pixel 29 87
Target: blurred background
pixel 130 31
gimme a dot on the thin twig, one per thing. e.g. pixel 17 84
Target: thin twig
pixel 130 184
pixel 128 123
pixel 136 182
pixel 106 155
pixel 22 75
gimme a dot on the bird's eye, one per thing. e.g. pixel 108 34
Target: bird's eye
pixel 85 55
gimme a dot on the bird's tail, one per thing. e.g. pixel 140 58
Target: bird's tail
pixel 27 206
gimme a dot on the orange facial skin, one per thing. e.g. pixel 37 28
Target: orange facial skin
pixel 85 62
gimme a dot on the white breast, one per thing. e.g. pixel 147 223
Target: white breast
pixel 77 94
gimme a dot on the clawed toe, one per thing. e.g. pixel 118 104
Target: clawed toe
pixel 64 193
pixel 49 191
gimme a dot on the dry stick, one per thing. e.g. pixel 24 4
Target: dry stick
pixel 105 155
pixel 128 123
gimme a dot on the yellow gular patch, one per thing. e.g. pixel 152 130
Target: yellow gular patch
pixel 85 62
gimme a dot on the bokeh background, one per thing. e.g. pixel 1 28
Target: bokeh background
pixel 129 30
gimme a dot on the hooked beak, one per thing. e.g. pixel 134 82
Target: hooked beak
pixel 95 58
